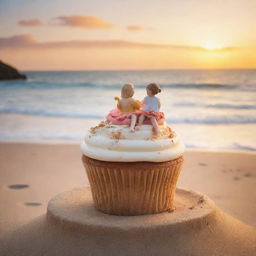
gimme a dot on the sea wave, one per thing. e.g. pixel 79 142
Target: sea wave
pixel 230 106
pixel 177 120
pixel 51 113
pixel 112 86
pixel 233 146
pixel 213 120
pixel 238 146
pixel 217 105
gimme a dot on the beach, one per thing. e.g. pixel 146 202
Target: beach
pixel 66 71
pixel 32 173
pixel 43 121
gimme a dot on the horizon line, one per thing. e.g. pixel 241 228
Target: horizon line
pixel 161 69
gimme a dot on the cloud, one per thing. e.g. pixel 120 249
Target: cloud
pixel 137 28
pixel 80 21
pixel 24 40
pixel 28 41
pixel 30 23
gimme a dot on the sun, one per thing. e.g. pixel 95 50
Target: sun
pixel 210 47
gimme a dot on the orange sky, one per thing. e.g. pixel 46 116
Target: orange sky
pixel 128 35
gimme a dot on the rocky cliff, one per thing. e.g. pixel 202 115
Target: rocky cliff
pixel 8 72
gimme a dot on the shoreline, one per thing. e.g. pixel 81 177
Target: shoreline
pixel 70 142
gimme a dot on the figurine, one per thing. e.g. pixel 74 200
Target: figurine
pixel 127 107
pixel 151 107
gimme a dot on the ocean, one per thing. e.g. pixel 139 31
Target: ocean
pixel 210 109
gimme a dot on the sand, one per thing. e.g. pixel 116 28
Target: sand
pixel 32 174
pixel 73 226
pixel 228 178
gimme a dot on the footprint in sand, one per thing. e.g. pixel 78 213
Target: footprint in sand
pixel 18 186
pixel 32 204
pixel 248 174
pixel 202 164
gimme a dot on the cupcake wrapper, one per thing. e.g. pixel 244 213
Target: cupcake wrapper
pixel 124 188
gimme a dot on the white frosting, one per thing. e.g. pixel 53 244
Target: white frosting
pixel 116 143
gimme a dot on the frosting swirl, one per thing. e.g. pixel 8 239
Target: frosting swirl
pixel 115 143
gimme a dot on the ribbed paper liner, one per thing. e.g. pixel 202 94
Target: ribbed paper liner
pixel 124 188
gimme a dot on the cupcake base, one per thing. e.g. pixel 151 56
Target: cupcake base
pixel 137 188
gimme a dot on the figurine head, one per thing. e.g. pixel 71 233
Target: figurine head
pixel 153 89
pixel 127 90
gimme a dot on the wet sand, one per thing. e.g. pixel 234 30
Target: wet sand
pixel 31 174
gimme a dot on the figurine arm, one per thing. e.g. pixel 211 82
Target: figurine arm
pixel 159 104
pixel 119 106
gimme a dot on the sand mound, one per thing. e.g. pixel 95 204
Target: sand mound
pixel 72 226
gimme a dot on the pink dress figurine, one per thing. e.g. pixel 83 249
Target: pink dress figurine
pixel 127 108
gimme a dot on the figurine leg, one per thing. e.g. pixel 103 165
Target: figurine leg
pixel 141 119
pixel 155 125
pixel 133 122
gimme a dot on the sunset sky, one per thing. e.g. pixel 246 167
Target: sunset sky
pixel 118 34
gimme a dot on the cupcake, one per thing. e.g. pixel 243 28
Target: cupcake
pixel 133 170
